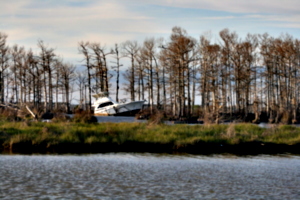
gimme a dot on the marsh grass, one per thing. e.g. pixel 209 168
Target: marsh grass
pixel 282 134
pixel 50 134
pixel 238 133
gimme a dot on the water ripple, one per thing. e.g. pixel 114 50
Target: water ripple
pixel 148 176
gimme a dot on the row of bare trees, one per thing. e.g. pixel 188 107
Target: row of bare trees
pixel 40 80
pixel 257 75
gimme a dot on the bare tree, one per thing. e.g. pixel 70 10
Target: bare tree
pixel 100 66
pixel 81 81
pixel 47 58
pixel 117 69
pixel 180 52
pixel 57 65
pixel 4 59
pixel 141 67
pixel 210 69
pixel 67 76
pixel 164 65
pixel 83 48
pixel 226 51
pixel 16 54
pixel 35 77
pixel 130 50
pixel 147 52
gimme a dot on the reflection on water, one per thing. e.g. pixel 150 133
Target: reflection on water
pixel 149 176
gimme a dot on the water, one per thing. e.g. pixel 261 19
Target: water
pixel 116 119
pixel 148 176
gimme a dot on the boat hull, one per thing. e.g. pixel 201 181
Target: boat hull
pixel 126 109
pixel 127 113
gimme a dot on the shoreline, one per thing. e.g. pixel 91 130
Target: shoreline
pixel 81 138
pixel 201 148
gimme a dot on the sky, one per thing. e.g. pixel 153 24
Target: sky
pixel 63 24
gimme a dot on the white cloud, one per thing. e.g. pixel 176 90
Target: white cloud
pixel 63 24
pixel 66 26
pixel 101 17
pixel 241 6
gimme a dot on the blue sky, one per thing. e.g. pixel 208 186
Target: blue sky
pixel 62 24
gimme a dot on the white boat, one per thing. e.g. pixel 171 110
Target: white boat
pixel 105 106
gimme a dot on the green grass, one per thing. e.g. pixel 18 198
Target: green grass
pixel 284 134
pixel 50 134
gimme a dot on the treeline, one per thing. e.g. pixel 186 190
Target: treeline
pixel 254 76
pixel 37 80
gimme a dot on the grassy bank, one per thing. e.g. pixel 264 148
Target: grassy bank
pixel 71 137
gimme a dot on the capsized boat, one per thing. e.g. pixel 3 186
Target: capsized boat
pixel 106 106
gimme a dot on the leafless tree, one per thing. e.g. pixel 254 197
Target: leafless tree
pixel 147 52
pixel 81 81
pixel 83 49
pixel 67 76
pixel 117 69
pixel 180 52
pixel 16 53
pixel 100 65
pixel 130 50
pixel 35 77
pixel 4 63
pixel 47 58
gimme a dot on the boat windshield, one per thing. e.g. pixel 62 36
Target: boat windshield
pixel 105 104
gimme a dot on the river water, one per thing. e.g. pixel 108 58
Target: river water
pixel 117 119
pixel 149 176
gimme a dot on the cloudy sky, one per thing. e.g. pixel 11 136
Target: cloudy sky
pixel 62 24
